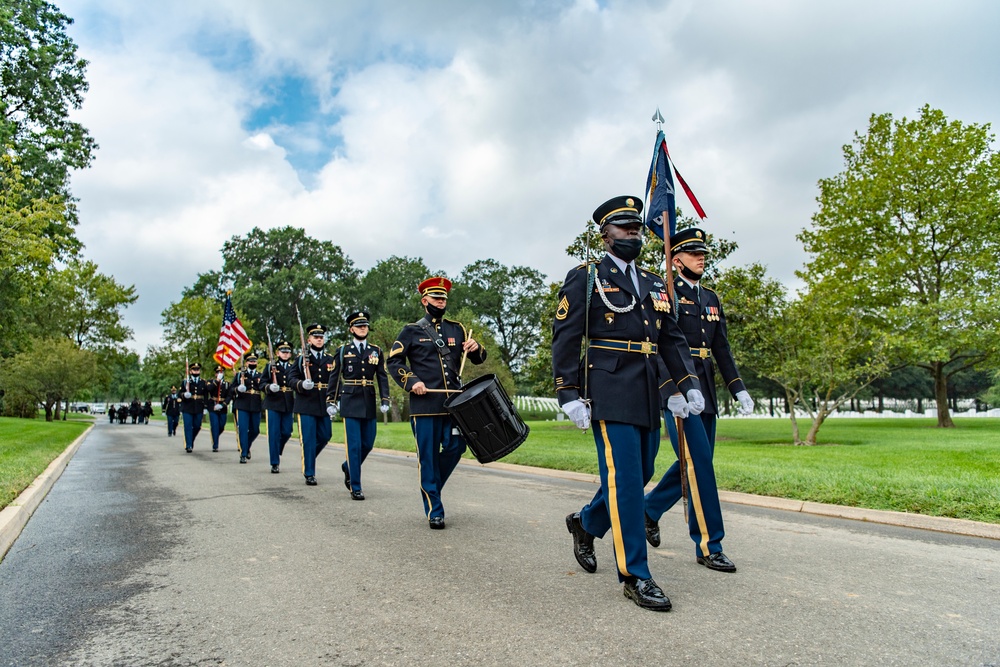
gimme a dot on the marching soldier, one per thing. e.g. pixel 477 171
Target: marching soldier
pixel 700 316
pixel 134 410
pixel 112 414
pixel 171 407
pixel 624 311
pixel 247 403
pixel 352 391
pixel 147 412
pixel 425 360
pixel 122 413
pixel 192 405
pixel 217 404
pixel 310 377
pixel 279 399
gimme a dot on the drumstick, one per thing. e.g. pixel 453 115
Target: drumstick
pixel 465 353
pixel 444 391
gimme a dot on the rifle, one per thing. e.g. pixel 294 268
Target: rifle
pixel 270 358
pixel 187 373
pixel 302 338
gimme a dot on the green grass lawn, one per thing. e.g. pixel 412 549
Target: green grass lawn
pixel 894 464
pixel 906 465
pixel 28 446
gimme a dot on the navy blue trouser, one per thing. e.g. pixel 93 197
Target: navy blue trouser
pixel 279 430
pixel 217 423
pixel 192 426
pixel 360 441
pixel 438 452
pixel 171 424
pixel 704 511
pixel 248 427
pixel 625 456
pixel 315 433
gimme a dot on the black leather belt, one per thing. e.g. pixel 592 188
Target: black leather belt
pixel 642 347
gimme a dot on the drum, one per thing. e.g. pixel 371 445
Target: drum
pixel 487 418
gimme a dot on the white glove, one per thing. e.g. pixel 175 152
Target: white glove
pixel 331 410
pixel 187 394
pixel 384 408
pixel 218 406
pixel 579 413
pixel 746 403
pixel 273 388
pixel 242 388
pixel 696 402
pixel 308 384
pixel 678 406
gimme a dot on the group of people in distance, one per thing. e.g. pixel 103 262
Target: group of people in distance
pixel 139 412
pixel 316 385
pixel 628 345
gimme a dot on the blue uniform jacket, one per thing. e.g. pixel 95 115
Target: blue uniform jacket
pixel 354 378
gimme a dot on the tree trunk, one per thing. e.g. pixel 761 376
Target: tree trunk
pixel 48 411
pixel 795 423
pixel 920 406
pixel 881 404
pixel 817 421
pixel 941 396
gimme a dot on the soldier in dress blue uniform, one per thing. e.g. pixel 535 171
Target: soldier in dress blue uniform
pixel 700 316
pixel 625 313
pixel 247 403
pixel 424 360
pixel 192 405
pixel 171 407
pixel 360 365
pixel 217 404
pixel 279 399
pixel 310 377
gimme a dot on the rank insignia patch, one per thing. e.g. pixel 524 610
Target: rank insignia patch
pixel 563 309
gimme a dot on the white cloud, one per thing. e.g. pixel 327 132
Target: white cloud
pixel 473 130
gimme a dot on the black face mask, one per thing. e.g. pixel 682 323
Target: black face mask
pixel 365 337
pixel 435 312
pixel 314 348
pixel 689 274
pixel 627 249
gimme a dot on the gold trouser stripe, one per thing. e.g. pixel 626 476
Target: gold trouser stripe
pixel 347 459
pixel 302 446
pixel 699 513
pixel 419 477
pixel 616 524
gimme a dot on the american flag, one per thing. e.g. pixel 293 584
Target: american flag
pixel 233 339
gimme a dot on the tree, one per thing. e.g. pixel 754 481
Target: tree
pixel 41 81
pixel 272 272
pixel 820 357
pixel 389 289
pixel 507 299
pixel 909 235
pixel 191 330
pixel 85 306
pixel 51 371
pixel 26 254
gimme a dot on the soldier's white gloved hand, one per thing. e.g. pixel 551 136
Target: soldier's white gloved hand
pixel 331 410
pixel 273 388
pixel 696 402
pixel 218 406
pixel 678 406
pixel 578 413
pixel 746 403
pixel 242 388
pixel 187 394
pixel 308 384
pixel 384 408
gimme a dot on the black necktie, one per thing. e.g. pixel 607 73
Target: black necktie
pixel 628 276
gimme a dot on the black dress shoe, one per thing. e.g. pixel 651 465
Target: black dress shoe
pixel 358 495
pixel 347 477
pixel 646 594
pixel 311 481
pixel 436 522
pixel 248 455
pixel 583 543
pixel 718 562
pixel 243 459
pixel 188 450
pixel 274 469
pixel 652 532
pixel 215 449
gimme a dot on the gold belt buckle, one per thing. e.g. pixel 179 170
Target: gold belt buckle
pixel 702 353
pixel 647 347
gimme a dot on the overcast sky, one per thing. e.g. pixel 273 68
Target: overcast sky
pixel 455 130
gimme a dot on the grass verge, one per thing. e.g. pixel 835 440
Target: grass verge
pixel 27 447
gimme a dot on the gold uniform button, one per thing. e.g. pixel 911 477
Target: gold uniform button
pixel 645 321
pixel 702 317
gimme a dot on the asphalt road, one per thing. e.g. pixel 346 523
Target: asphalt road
pixel 144 555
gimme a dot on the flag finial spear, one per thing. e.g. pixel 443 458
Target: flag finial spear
pixel 657 118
